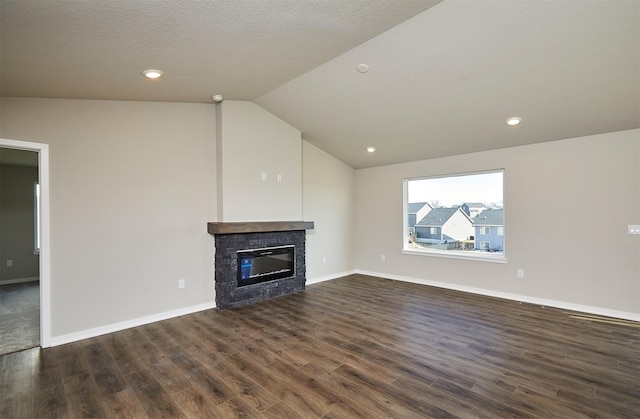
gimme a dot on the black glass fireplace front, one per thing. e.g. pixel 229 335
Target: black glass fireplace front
pixel 261 265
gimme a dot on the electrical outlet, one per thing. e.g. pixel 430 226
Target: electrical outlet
pixel 263 176
pixel 633 229
pixel 324 259
pixel 520 273
pixel 180 283
pixel 383 258
pixel 279 177
pixel 9 263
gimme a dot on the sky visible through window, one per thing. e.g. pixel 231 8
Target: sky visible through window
pixel 483 188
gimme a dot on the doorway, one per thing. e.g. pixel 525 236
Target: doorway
pixel 24 246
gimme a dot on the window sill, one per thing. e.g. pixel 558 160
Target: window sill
pixel 479 257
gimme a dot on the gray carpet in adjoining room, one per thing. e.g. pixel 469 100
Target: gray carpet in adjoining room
pixel 19 317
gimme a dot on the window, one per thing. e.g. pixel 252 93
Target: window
pixel 36 218
pixel 461 215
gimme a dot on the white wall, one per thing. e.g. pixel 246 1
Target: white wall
pixel 328 201
pixel 132 187
pixel 251 141
pixel 567 207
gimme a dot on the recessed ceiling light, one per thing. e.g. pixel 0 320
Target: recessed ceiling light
pixel 371 149
pixel 152 74
pixel 363 68
pixel 514 120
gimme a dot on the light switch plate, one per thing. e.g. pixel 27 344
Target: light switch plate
pixel 634 229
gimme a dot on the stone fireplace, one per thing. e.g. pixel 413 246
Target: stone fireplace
pixel 256 238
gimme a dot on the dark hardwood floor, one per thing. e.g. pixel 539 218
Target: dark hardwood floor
pixel 353 347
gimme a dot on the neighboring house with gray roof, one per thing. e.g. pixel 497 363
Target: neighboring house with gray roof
pixel 442 224
pixel 472 209
pixel 416 211
pixel 489 230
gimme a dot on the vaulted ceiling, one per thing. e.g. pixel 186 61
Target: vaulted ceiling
pixel 442 78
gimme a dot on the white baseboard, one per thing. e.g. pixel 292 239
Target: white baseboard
pixel 329 277
pixel 20 280
pixel 116 327
pixel 515 297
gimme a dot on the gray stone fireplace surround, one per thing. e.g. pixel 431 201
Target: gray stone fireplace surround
pixel 238 236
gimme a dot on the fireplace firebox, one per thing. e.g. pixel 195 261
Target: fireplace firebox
pixel 262 265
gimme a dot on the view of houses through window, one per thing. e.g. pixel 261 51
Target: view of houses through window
pixel 462 214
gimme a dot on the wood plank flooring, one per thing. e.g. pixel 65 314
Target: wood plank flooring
pixel 353 347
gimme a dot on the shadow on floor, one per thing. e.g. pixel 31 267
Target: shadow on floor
pixel 19 317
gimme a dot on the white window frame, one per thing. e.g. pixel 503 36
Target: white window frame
pixel 485 230
pixel 484 245
pixel 433 230
pixel 500 231
pixel 476 256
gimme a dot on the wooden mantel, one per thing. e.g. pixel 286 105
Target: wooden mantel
pixel 257 226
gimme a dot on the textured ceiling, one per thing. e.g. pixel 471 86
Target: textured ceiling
pixel 443 76
pixel 238 48
pixel 444 82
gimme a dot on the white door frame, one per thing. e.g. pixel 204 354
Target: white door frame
pixel 45 250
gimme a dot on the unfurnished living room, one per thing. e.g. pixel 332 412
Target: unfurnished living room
pixel 320 209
